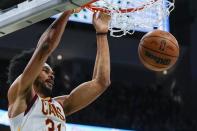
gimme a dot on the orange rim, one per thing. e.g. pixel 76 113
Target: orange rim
pixel 105 10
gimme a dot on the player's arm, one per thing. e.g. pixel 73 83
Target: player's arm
pixel 87 92
pixel 21 88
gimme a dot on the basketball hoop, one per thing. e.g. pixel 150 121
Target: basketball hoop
pixel 125 14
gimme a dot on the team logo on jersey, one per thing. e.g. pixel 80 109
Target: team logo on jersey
pixel 49 108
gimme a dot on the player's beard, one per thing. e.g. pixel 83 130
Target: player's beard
pixel 43 88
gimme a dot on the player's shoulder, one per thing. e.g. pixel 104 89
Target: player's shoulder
pixel 61 99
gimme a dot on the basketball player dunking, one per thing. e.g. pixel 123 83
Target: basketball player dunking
pixel 32 79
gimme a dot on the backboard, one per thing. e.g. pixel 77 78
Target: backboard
pixel 33 11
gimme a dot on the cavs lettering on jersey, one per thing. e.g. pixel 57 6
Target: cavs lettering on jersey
pixel 42 115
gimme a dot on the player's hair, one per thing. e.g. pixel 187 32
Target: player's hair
pixel 18 64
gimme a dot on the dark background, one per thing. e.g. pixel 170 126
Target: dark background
pixel 137 98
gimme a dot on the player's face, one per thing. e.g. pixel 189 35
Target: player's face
pixel 45 80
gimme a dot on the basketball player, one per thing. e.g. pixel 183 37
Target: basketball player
pixel 31 107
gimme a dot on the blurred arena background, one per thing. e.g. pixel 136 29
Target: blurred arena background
pixel 138 99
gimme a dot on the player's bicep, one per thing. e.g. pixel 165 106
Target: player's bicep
pixel 82 96
pixel 34 67
pixel 14 91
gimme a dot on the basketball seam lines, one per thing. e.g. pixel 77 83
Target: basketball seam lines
pixel 151 63
pixel 163 38
pixel 157 51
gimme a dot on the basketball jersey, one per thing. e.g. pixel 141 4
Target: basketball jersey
pixel 41 115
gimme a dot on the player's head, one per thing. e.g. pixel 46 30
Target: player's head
pixel 18 64
pixel 45 81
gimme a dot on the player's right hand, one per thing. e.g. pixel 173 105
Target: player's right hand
pixel 100 22
pixel 77 10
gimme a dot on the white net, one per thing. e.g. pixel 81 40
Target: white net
pixel 148 14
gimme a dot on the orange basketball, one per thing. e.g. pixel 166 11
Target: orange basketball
pixel 158 50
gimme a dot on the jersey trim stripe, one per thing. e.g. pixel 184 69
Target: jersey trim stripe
pixel 30 104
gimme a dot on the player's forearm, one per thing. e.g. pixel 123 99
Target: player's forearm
pixel 52 36
pixel 102 67
pixel 96 61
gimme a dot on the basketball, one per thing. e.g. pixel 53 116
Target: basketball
pixel 158 50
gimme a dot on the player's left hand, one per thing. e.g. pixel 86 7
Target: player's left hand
pixel 100 22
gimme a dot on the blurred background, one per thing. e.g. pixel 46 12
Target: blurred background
pixel 138 99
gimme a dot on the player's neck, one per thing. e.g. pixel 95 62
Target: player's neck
pixel 36 92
